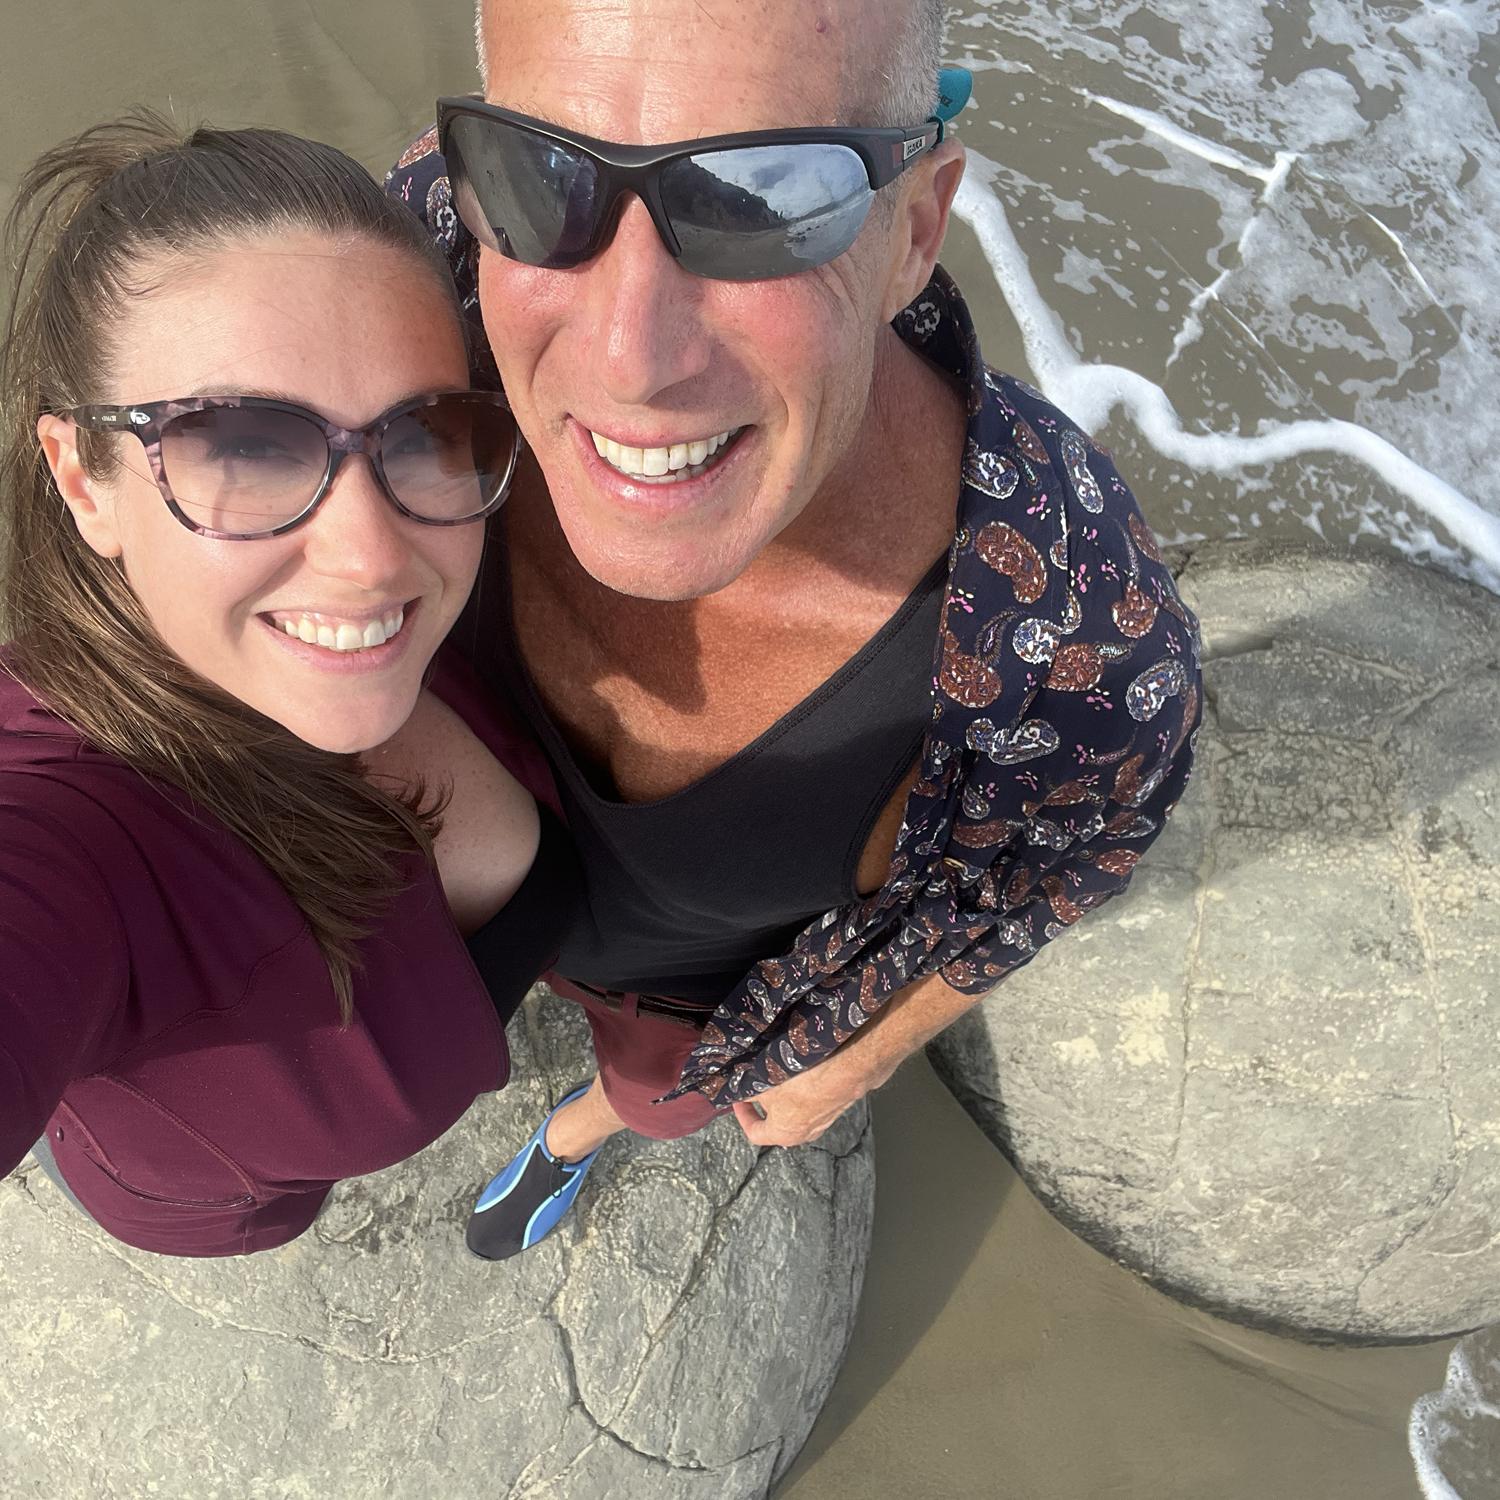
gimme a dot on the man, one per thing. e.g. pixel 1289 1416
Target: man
pixel 859 670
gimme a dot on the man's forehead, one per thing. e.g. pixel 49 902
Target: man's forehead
pixel 657 69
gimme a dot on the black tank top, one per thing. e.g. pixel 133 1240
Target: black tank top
pixel 688 892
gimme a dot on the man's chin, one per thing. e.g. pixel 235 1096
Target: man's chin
pixel 666 580
pixel 666 543
pixel 657 566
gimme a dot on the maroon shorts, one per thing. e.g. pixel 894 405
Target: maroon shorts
pixel 640 1057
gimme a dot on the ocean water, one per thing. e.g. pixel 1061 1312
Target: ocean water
pixel 1454 1433
pixel 1254 245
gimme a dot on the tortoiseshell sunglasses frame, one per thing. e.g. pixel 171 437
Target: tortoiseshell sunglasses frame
pixel 149 421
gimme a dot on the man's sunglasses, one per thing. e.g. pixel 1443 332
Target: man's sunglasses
pixel 743 207
pixel 238 468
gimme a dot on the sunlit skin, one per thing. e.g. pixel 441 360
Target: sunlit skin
pixel 631 346
pixel 347 329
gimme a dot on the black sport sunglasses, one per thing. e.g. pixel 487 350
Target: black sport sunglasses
pixel 741 207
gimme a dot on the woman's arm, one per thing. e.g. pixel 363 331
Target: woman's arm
pixel 64 963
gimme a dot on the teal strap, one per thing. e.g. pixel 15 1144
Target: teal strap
pixel 954 87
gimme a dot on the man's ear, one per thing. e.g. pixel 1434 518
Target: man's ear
pixel 92 509
pixel 921 223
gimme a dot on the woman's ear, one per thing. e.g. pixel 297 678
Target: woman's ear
pixel 92 508
pixel 921 225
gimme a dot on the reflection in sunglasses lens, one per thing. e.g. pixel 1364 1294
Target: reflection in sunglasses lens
pixel 762 211
pixel 531 198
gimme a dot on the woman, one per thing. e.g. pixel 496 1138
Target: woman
pixel 245 485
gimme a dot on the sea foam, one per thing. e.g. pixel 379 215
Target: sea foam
pixel 1089 393
pixel 1441 1434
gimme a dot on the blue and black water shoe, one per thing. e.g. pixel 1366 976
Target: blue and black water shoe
pixel 529 1197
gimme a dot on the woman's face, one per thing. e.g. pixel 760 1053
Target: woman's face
pixel 347 329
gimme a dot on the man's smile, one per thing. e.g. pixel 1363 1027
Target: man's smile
pixel 667 463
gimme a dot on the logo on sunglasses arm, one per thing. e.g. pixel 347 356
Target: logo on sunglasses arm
pixel 912 148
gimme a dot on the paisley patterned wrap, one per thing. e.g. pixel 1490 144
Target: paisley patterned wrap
pixel 1066 695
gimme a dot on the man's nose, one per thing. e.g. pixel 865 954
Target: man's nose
pixel 646 313
pixel 357 534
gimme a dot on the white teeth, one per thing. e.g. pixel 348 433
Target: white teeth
pixel 345 635
pixel 657 463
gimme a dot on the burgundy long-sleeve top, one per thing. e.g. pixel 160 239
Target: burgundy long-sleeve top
pixel 168 1020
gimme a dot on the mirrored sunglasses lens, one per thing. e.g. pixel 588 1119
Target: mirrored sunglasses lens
pixel 521 194
pixel 243 470
pixel 761 211
pixel 450 459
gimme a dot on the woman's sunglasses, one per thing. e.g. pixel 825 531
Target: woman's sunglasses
pixel 238 468
pixel 743 207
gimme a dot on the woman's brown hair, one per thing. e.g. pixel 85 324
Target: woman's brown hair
pixel 94 219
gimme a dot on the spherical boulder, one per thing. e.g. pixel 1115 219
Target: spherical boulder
pixel 674 1340
pixel 1265 1077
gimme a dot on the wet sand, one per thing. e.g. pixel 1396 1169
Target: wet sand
pixel 996 1355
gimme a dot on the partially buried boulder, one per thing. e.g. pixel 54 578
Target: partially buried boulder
pixel 1266 1077
pixel 673 1341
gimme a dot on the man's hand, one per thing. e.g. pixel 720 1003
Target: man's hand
pixel 802 1108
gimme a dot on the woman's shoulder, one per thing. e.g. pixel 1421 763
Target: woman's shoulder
pixel 48 774
pixel 59 791
pixel 48 768
pixel 29 731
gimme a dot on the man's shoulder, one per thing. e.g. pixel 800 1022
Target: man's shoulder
pixel 1048 531
pixel 418 167
pixel 419 179
pixel 1025 461
pixel 1022 445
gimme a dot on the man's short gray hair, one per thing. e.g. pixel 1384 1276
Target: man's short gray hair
pixel 908 84
pixel 908 92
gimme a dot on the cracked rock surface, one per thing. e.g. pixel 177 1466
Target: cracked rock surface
pixel 673 1340
pixel 1266 1077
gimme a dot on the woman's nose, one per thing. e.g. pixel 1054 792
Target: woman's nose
pixel 357 534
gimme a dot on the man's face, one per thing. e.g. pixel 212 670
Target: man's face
pixel 628 353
